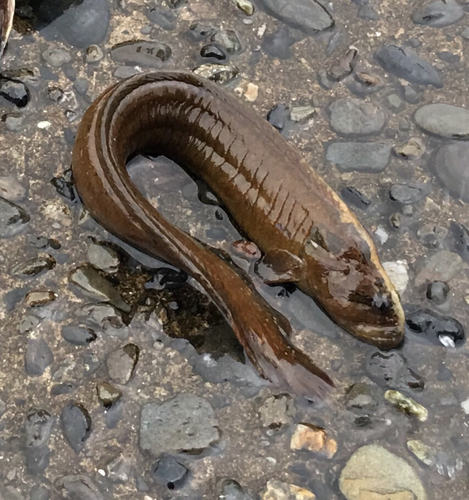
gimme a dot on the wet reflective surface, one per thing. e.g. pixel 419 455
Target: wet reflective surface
pixel 67 327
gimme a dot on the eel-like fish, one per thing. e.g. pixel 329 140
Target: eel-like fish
pixel 307 234
pixel 7 10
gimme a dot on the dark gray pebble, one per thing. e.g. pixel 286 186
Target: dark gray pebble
pixel 79 487
pixel 359 156
pixel 405 63
pixel 278 116
pixel 439 13
pixel 81 86
pixel 76 425
pixel 433 236
pixel 434 328
pixel 278 43
pixel 33 267
pixel 368 13
pixel 389 369
pixel 78 334
pixel 450 164
pixel 229 489
pixel 141 53
pixel 353 117
pixel 186 423
pixel 14 91
pixel 437 292
pixel 169 472
pixel 459 239
pixel 308 16
pixel 64 388
pixel 352 196
pixel 39 493
pixel 122 362
pixel 344 66
pixel 213 51
pixel 444 120
pixel 38 459
pixel 38 428
pixel 449 57
pixel 38 357
pixel 408 194
pixel 82 24
pixel 163 18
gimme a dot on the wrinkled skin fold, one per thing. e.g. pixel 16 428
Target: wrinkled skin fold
pixel 307 234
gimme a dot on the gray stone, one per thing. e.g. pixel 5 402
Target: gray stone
pixel 444 120
pixel 359 156
pixel 229 489
pixel 39 493
pixel 79 487
pixel 76 425
pixel 441 266
pixel 308 16
pixel 13 218
pixel 373 472
pixel 103 258
pixel 121 363
pixel 119 469
pixel 277 411
pixel 108 394
pixel 98 287
pixel 439 13
pixel 11 189
pixel 38 428
pixel 169 472
pixel 56 57
pixel 81 24
pixel 37 357
pixel 43 262
pixel 186 423
pixel 405 63
pixel 352 117
pixel 78 334
pixel 141 53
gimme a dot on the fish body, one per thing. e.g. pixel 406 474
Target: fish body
pixel 307 234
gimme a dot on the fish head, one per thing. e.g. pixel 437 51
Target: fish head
pixel 347 279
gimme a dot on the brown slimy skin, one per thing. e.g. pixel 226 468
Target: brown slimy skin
pixel 274 196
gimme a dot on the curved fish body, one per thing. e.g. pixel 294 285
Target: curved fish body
pixel 307 234
pixel 7 10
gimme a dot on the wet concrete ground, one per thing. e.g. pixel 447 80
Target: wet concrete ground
pixel 121 380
